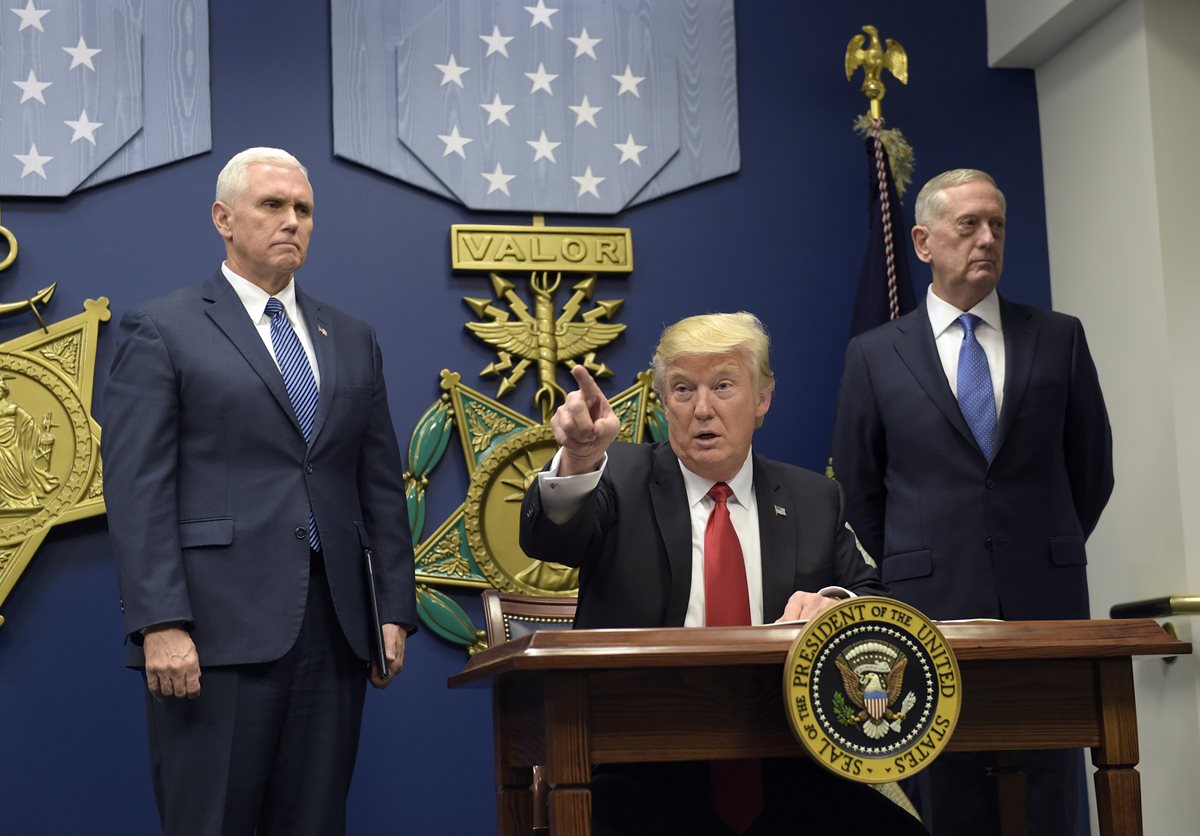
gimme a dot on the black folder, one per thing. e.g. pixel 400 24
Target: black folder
pixel 378 653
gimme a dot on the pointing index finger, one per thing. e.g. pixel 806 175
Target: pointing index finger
pixel 587 385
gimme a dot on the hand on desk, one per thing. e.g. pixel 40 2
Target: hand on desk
pixel 806 605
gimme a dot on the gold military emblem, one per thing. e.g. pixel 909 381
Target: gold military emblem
pixel 534 334
pixel 50 469
pixel 872 690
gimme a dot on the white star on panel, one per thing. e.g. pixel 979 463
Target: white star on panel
pixel 629 82
pixel 33 162
pixel 496 42
pixel 543 147
pixel 541 80
pixel 588 183
pixel 83 128
pixel 540 14
pixel 454 143
pixel 451 72
pixel 498 180
pixel 584 112
pixel 31 88
pixel 31 17
pixel 497 110
pixel 630 151
pixel 585 45
pixel 81 55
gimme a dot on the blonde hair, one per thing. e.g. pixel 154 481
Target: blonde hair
pixel 931 201
pixel 232 178
pixel 719 333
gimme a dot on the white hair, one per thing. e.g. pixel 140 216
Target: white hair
pixel 232 178
pixel 931 202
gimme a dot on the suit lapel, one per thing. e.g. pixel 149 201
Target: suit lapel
pixel 777 539
pixel 916 348
pixel 324 342
pixel 1020 346
pixel 669 500
pixel 229 314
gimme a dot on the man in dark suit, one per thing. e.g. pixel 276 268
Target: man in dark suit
pixel 249 456
pixel 976 455
pixel 650 528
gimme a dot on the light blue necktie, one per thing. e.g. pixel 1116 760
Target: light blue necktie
pixel 300 383
pixel 976 398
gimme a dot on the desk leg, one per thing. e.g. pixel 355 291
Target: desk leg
pixel 1118 785
pixel 1012 794
pixel 514 802
pixel 568 754
pixel 514 808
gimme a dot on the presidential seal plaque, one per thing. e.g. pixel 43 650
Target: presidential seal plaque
pixel 872 690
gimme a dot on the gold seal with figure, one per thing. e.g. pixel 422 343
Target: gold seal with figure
pixel 872 690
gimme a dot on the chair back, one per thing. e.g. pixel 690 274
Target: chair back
pixel 509 616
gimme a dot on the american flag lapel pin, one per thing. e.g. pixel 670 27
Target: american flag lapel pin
pixel 780 511
pixel 321 328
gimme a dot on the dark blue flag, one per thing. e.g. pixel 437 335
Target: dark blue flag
pixel 885 289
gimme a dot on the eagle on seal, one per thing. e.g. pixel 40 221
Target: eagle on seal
pixel 873 688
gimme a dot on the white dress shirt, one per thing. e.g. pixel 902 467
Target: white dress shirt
pixel 254 298
pixel 948 335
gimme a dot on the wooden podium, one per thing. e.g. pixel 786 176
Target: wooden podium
pixel 574 699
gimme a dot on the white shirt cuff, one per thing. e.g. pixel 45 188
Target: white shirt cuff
pixel 562 495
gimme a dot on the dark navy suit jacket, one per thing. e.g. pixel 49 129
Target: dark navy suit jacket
pixel 208 480
pixel 632 539
pixel 959 536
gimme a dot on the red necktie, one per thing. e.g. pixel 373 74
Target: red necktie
pixel 737 789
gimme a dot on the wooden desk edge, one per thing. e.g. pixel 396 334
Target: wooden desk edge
pixel 769 645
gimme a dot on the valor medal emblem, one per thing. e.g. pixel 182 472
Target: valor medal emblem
pixel 50 471
pixel 872 690
pixel 478 544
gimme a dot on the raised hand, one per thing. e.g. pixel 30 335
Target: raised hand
pixel 585 425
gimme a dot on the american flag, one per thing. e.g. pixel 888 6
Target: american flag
pixel 538 105
pixel 70 91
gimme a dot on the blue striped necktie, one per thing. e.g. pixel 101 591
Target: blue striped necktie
pixel 300 383
pixel 976 398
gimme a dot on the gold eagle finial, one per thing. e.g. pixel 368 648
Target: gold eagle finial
pixel 874 60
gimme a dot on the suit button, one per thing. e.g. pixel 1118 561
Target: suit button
pixel 987 544
pixel 301 533
pixel 991 483
pixel 308 468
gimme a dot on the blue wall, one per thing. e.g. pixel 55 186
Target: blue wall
pixel 782 238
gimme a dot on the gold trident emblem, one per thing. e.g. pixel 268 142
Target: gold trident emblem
pixel 543 337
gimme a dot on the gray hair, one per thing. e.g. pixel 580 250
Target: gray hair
pixel 232 178
pixel 931 202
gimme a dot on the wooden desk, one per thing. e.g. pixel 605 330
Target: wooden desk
pixel 574 699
